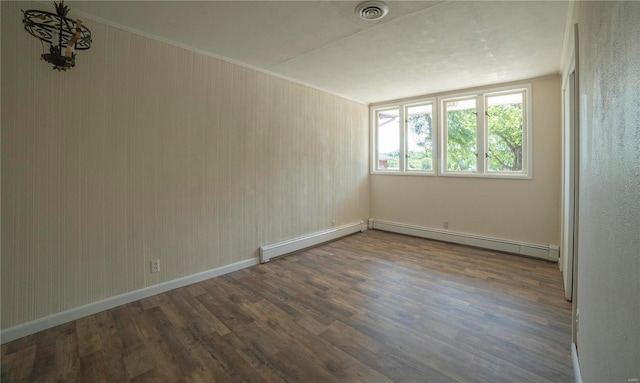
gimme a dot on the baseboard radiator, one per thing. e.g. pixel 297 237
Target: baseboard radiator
pixel 278 249
pixel 548 252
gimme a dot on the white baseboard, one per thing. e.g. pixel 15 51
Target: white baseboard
pixel 274 250
pixel 576 365
pixel 549 252
pixel 15 332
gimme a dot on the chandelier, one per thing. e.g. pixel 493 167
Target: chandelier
pixel 63 35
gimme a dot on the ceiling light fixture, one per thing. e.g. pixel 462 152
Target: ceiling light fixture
pixel 63 35
pixel 372 10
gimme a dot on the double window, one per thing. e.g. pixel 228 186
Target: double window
pixel 484 134
pixel 405 138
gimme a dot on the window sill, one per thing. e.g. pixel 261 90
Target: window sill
pixel 453 175
pixel 485 175
pixel 397 173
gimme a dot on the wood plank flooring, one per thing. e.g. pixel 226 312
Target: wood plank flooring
pixel 372 307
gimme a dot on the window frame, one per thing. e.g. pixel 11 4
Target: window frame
pixel 374 146
pixel 482 132
pixel 445 134
pixel 526 132
pixel 439 134
pixel 434 136
pixel 403 135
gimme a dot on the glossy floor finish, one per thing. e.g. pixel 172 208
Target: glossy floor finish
pixel 372 307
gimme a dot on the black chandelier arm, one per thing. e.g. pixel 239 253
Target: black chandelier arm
pixel 42 24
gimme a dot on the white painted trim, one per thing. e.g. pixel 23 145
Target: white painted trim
pixel 274 250
pixel 576 364
pixel 21 330
pixel 549 253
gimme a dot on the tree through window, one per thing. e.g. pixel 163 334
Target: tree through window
pixel 485 133
pixel 420 137
pixel 505 116
pixel 462 153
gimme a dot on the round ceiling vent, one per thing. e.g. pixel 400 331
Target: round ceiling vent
pixel 372 10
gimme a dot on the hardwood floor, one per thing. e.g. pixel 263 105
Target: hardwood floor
pixel 372 307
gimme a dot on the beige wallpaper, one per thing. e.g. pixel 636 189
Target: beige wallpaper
pixel 520 210
pixel 145 151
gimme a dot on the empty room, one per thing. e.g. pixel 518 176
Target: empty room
pixel 320 191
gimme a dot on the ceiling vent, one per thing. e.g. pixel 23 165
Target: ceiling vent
pixel 372 10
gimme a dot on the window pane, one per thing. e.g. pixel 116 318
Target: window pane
pixel 419 138
pixel 389 140
pixel 461 135
pixel 504 128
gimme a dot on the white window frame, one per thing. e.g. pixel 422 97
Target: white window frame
pixel 440 135
pixel 482 133
pixel 526 134
pixel 402 110
pixel 374 145
pixel 434 136
pixel 444 134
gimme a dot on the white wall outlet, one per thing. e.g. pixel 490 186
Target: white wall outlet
pixel 445 224
pixel 333 223
pixel 155 265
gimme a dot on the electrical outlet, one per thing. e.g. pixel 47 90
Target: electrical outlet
pixel 155 265
pixel 445 224
pixel 333 223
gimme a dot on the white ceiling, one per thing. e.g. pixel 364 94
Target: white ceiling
pixel 421 47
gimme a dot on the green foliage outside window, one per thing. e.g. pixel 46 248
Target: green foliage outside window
pixel 505 138
pixel 420 151
pixel 461 140
pixel 393 161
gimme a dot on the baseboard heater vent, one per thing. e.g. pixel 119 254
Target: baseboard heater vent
pixel 549 252
pixel 274 250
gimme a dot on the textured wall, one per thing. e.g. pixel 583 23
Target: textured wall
pixel 145 151
pixel 519 210
pixel 609 227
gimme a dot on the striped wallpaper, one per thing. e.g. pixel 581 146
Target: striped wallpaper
pixel 145 150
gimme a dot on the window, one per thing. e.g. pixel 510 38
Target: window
pixel 505 133
pixel 460 135
pixel 486 134
pixel 388 139
pixel 480 134
pixel 404 138
pixel 419 127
